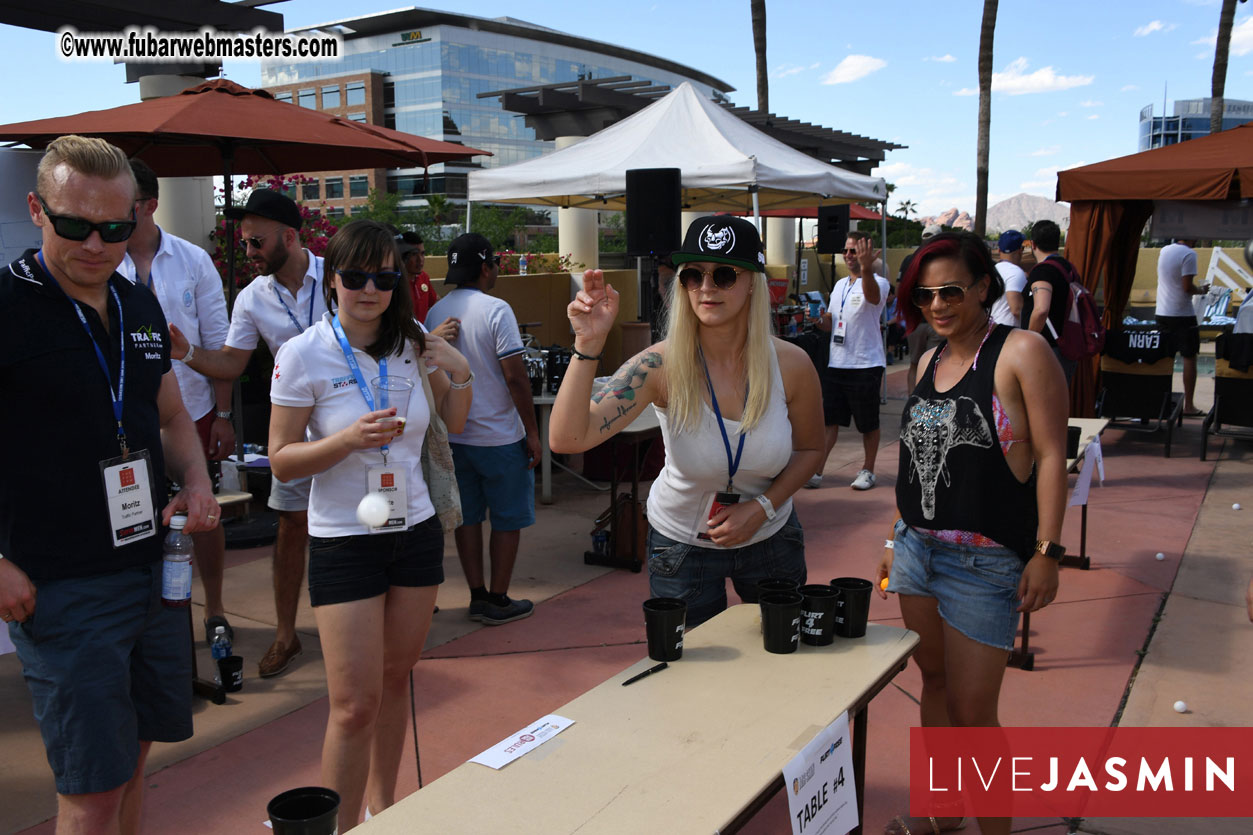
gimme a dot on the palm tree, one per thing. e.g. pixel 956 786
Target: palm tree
pixel 759 47
pixel 1219 84
pixel 986 31
pixel 907 208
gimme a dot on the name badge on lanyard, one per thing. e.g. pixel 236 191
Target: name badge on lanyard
pixel 391 483
pixel 128 477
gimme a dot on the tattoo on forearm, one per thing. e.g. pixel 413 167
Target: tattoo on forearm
pixel 629 378
pixel 623 411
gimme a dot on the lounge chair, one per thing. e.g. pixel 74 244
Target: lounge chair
pixel 1137 373
pixel 1232 413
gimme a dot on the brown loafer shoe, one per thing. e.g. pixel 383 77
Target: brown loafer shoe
pixel 278 657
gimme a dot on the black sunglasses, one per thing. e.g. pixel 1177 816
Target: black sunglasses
pixel 384 280
pixel 948 293
pixel 77 229
pixel 724 277
pixel 256 240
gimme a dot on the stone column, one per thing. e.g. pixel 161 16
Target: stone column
pixel 186 206
pixel 577 234
pixel 780 241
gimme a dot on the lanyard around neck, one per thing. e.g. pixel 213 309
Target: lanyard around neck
pixel 355 367
pixel 733 464
pixel 313 294
pixel 116 394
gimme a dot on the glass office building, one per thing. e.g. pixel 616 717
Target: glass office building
pixel 1190 120
pixel 434 64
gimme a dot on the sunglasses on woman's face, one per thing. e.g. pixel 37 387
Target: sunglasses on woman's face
pixel 724 277
pixel 77 229
pixel 384 280
pixel 948 293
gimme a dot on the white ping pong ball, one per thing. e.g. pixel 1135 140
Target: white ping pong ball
pixel 373 510
pixel 1181 706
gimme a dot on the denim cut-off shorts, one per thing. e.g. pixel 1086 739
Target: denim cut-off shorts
pixel 976 587
pixel 699 575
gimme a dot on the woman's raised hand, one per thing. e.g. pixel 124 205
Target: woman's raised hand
pixel 594 309
pixel 439 353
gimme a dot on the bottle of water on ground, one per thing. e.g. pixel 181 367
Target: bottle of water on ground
pixel 176 565
pixel 219 649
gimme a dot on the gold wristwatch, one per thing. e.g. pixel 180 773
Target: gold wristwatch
pixel 1052 550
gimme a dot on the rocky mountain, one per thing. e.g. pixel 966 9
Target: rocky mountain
pixel 1012 213
pixel 1021 209
pixel 951 219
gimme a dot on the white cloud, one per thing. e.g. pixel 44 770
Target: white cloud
pixel 852 68
pixel 1151 27
pixel 1242 37
pixel 1063 113
pixel 1016 81
pixel 1126 88
pixel 933 190
pixel 1095 116
pixel 785 70
pixel 942 59
pixel 1046 178
pixel 1090 103
pixel 1045 152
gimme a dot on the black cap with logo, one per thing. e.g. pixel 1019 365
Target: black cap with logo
pixel 722 239
pixel 466 256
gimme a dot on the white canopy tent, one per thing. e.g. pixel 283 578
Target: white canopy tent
pixel 727 165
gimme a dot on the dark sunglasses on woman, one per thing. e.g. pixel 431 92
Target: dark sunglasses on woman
pixel 724 277
pixel 384 280
pixel 949 294
pixel 77 229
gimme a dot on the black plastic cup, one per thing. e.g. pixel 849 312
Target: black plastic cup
pixel 231 671
pixel 664 621
pixel 1072 441
pixel 311 810
pixel 853 609
pixel 776 584
pixel 781 620
pixel 818 614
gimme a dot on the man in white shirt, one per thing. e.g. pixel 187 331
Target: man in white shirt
pixel 495 455
pixel 1007 310
pixel 189 289
pixel 277 305
pixel 854 376
pixel 1176 268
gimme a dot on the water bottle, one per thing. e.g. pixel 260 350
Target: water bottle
pixel 600 542
pixel 219 649
pixel 522 264
pixel 176 566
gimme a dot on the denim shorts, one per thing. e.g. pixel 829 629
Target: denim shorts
pixel 347 568
pixel 495 478
pixel 107 666
pixel 698 575
pixel 976 587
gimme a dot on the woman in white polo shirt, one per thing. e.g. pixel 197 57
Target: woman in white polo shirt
pixel 372 589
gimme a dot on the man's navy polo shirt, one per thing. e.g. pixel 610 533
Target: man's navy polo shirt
pixel 57 424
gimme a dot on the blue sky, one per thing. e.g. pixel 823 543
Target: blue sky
pixel 1071 75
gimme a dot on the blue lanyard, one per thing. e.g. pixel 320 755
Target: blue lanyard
pixel 732 464
pixel 356 372
pixel 844 297
pixel 115 394
pixel 313 293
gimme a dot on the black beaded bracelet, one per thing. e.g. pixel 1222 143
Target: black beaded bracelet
pixel 580 355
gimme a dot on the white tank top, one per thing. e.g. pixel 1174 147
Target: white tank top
pixel 696 468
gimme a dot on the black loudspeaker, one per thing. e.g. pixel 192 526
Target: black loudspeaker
pixel 832 228
pixel 653 196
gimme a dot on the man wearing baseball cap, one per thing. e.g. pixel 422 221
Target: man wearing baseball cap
pixel 277 305
pixel 495 455
pixel 1008 308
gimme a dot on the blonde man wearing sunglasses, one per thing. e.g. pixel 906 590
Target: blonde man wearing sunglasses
pixel 81 511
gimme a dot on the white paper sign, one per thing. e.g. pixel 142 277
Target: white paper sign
pixel 804 282
pixel 524 741
pixel 821 791
pixel 1092 460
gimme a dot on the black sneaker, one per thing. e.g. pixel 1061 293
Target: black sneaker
pixel 493 615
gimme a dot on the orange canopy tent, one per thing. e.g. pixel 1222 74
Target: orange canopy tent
pixel 1111 201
